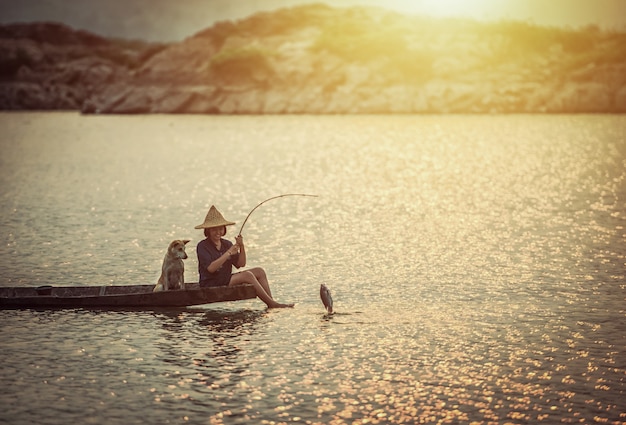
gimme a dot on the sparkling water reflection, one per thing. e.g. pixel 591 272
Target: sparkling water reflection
pixel 477 267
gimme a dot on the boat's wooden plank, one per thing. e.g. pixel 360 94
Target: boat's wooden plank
pixel 121 296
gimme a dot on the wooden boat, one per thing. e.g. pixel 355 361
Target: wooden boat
pixel 133 296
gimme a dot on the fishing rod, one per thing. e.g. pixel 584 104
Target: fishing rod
pixel 269 199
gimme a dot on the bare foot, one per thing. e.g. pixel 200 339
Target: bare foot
pixel 279 305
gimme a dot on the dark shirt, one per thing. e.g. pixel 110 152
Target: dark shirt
pixel 207 253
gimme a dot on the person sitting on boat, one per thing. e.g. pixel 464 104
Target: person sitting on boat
pixel 217 256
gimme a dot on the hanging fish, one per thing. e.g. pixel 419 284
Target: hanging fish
pixel 327 299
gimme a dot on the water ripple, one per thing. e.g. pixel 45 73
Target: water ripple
pixel 476 262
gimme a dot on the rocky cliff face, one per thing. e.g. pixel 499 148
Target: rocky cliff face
pixel 317 59
pixel 49 66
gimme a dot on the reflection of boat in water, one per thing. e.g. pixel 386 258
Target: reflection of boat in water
pixel 136 296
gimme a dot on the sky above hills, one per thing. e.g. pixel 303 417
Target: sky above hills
pixel 166 20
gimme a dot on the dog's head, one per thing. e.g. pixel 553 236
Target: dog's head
pixel 177 248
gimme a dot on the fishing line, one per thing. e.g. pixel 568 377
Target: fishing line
pixel 269 199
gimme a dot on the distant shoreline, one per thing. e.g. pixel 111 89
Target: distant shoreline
pixel 318 59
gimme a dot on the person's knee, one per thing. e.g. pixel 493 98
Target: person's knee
pixel 248 277
pixel 259 272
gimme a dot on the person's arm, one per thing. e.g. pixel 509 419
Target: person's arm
pixel 241 258
pixel 217 264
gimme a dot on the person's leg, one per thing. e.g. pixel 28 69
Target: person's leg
pixel 260 275
pixel 248 277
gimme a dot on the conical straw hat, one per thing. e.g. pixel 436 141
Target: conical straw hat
pixel 214 219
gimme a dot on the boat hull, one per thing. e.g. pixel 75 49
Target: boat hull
pixel 134 296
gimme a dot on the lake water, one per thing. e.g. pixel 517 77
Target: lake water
pixel 477 264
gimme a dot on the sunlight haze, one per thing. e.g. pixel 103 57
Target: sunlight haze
pixel 606 13
pixel 164 20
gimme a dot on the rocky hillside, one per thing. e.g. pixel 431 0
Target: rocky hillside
pixel 49 66
pixel 318 59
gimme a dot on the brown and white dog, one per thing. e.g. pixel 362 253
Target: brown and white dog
pixel 173 269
